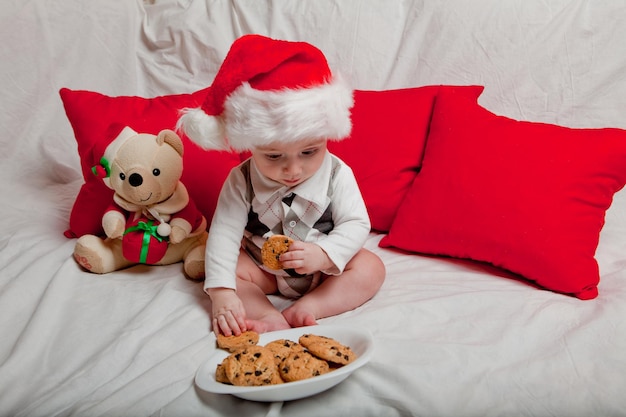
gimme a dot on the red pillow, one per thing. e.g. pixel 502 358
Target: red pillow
pixel 389 130
pixel 92 114
pixel 527 197
pixel 384 150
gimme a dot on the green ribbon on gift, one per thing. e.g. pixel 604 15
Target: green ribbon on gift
pixel 149 229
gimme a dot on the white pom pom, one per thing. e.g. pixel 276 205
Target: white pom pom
pixel 164 229
pixel 207 131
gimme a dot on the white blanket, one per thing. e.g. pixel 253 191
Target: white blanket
pixel 453 338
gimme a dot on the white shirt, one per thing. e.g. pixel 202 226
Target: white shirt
pixel 349 215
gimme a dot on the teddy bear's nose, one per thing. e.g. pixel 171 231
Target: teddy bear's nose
pixel 135 180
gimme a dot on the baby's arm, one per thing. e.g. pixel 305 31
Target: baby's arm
pixel 222 253
pixel 351 222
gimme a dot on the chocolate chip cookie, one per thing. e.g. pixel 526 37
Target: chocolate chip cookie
pixel 302 365
pixel 282 348
pixel 252 366
pixel 233 343
pixel 273 247
pixel 327 348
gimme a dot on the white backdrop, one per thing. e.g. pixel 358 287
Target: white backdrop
pixel 453 338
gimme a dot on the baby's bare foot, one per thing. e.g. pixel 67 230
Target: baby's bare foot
pixel 299 317
pixel 268 324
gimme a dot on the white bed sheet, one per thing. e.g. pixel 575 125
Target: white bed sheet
pixel 453 338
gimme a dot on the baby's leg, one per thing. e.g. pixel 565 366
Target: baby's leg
pixel 252 286
pixel 360 281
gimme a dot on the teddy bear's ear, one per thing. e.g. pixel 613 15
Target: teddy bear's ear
pixel 171 138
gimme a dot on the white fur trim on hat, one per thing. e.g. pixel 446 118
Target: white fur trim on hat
pixel 206 130
pixel 255 118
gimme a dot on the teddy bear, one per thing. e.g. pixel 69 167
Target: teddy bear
pixel 151 219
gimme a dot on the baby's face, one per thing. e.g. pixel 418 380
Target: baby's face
pixel 290 164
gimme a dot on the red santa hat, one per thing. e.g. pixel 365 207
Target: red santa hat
pixel 270 91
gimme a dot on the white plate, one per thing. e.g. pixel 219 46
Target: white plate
pixel 359 340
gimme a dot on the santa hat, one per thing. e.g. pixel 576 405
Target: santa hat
pixel 105 151
pixel 269 91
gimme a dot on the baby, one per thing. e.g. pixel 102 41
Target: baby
pixel 279 101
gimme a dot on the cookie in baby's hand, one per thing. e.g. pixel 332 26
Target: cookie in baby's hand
pixel 233 343
pixel 273 247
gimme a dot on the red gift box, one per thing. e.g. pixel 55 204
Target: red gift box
pixel 141 243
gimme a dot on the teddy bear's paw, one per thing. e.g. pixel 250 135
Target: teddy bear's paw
pixel 177 235
pixel 99 256
pixel 194 264
pixel 88 258
pixel 194 270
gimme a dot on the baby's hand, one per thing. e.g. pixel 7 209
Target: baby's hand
pixel 305 258
pixel 229 315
